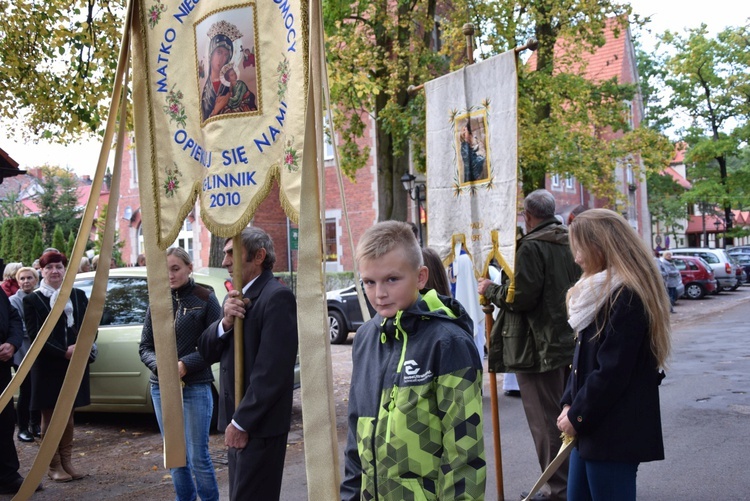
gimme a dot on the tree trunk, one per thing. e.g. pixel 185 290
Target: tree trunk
pixel 216 252
pixel 533 176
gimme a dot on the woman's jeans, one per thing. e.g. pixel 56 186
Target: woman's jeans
pixel 600 480
pixel 197 408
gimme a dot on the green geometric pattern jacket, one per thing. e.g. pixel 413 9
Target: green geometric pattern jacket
pixel 415 407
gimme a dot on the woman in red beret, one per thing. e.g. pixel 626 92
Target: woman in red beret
pixel 48 372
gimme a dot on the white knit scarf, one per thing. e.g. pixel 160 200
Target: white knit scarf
pixel 588 296
pixel 53 294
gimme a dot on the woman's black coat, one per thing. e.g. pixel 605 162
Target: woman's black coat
pixel 48 371
pixel 613 389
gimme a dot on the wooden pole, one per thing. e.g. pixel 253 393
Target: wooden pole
pixel 239 338
pixel 487 308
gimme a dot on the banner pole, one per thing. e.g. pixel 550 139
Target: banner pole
pixel 239 339
pixel 488 323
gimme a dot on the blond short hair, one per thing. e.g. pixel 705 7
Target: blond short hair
pixel 387 236
pixel 29 269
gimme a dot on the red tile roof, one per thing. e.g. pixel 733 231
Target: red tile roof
pixel 605 62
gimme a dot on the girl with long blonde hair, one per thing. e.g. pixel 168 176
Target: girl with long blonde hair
pixel 619 310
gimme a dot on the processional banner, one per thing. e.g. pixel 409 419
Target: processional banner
pixel 225 94
pixel 472 161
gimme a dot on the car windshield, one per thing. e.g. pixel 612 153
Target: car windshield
pixel 710 258
pixel 127 299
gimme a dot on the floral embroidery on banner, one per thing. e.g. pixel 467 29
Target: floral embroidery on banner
pixel 171 183
pixel 154 14
pixel 174 107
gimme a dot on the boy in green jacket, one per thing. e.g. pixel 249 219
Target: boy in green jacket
pixel 415 404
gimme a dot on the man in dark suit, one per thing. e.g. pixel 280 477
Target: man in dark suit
pixel 11 337
pixel 257 426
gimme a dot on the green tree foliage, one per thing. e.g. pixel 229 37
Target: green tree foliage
pixel 58 202
pixel 70 244
pixel 17 232
pixel 565 120
pixel 116 247
pixel 11 206
pixel 59 59
pixel 58 239
pixel 709 80
pixel 375 51
pixel 37 247
pixel 666 201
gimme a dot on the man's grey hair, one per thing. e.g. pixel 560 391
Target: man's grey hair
pixel 540 204
pixel 254 239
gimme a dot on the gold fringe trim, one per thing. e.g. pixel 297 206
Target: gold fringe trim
pixel 495 253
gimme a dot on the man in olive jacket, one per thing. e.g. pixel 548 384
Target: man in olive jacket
pixel 532 334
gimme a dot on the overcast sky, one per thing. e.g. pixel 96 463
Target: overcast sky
pixel 674 15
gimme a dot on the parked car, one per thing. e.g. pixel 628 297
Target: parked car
pixel 344 313
pixel 697 276
pixel 743 260
pixel 718 259
pixel 119 380
pixel 740 249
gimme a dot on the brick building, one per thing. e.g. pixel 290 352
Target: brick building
pixel 614 59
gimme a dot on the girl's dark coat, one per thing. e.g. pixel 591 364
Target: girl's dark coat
pixel 613 389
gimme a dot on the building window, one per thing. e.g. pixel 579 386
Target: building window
pixel 185 238
pixel 327 143
pixel 141 249
pixel 133 168
pixel 437 36
pixel 555 180
pixel 570 182
pixel 628 105
pixel 332 250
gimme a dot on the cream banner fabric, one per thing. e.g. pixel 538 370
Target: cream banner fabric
pixel 225 98
pixel 472 161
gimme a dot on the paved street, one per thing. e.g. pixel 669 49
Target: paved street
pixel 705 412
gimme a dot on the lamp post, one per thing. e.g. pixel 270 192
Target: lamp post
pixel 416 193
pixel 717 223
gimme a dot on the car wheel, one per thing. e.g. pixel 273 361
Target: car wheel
pixel 694 291
pixel 736 286
pixel 337 330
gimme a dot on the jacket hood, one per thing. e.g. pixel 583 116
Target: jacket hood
pixel 550 230
pixel 428 307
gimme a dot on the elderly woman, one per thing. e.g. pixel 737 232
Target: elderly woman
pixel 48 372
pixel 28 422
pixel 194 308
pixel 10 285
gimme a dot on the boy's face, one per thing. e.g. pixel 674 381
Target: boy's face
pixel 391 282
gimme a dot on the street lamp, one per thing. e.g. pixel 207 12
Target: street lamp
pixel 416 193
